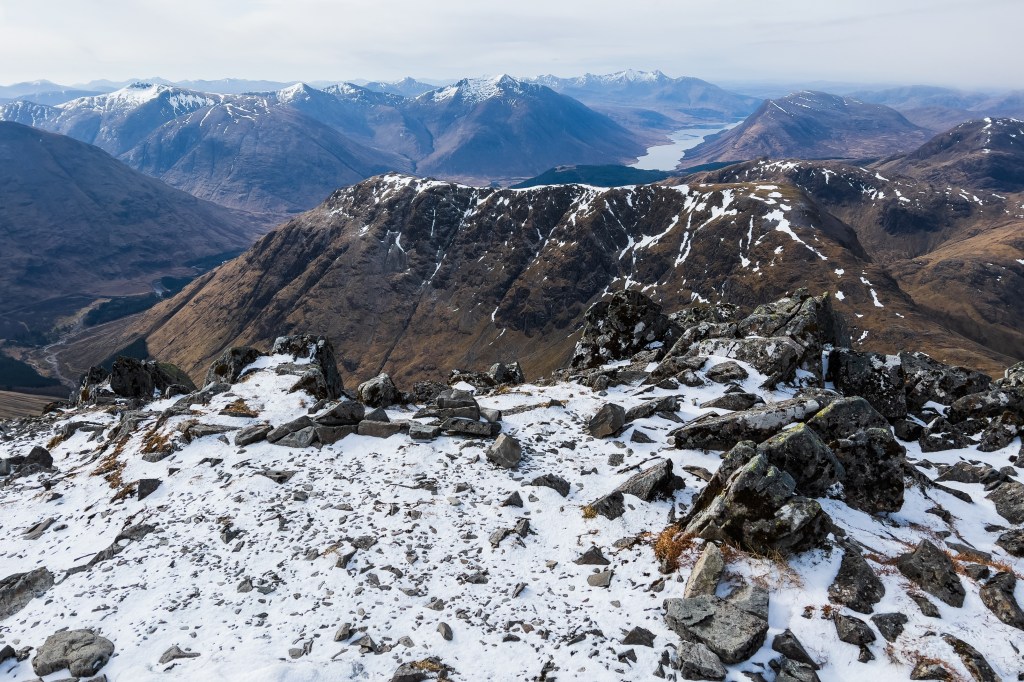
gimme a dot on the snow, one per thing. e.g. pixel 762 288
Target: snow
pixel 783 225
pixel 177 586
pixel 476 90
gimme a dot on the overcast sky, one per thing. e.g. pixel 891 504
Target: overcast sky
pixel 946 42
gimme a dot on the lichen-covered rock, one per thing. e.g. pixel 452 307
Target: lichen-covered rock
pixel 1012 541
pixel 972 659
pixel 1013 377
pixel 82 652
pixel 802 454
pixel 987 405
pixel 621 327
pixel 759 510
pixel 1001 432
pixel 997 595
pixel 655 482
pixel 510 373
pixel 706 572
pixel 877 378
pixel 380 391
pixel 776 357
pixel 505 452
pixel 940 435
pixel 698 662
pixel 845 417
pixel 1009 500
pixel 928 380
pixel 607 421
pixel 133 378
pixel 873 462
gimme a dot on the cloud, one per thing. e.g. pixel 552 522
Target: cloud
pixel 936 41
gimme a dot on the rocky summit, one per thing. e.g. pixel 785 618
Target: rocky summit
pixel 699 494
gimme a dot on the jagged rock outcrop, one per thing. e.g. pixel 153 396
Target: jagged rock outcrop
pixel 228 367
pixel 621 327
pixel 321 378
pixel 759 509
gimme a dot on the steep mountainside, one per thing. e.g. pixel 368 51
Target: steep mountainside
pixel 812 125
pixel 269 160
pixel 504 128
pixel 76 224
pixel 394 268
pixel 983 154
pixel 958 252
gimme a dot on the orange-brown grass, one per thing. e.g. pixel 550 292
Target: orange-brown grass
pixel 670 545
pixel 239 408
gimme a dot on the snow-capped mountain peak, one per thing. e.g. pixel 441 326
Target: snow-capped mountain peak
pixel 473 90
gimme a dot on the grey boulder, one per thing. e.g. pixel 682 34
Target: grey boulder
pixel 81 651
pixel 933 571
pixel 733 634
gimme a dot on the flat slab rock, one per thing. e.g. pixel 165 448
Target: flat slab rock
pixel 721 432
pixel 733 634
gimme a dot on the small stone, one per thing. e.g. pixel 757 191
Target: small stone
pixel 446 632
pixel 600 579
pixel 556 483
pixel 592 557
pixel 146 487
pixel 890 625
pixel 175 653
pixel 513 500
pixel 639 636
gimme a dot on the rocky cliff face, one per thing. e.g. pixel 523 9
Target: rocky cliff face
pixel 956 249
pixel 395 266
pixel 702 494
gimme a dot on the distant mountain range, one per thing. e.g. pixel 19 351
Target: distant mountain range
pixel 812 125
pixel 77 225
pixel 284 151
pixel 941 108
pixel 649 102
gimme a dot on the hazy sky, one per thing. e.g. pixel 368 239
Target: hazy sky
pixel 948 42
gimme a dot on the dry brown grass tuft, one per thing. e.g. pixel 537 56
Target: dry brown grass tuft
pixel 589 512
pixel 670 545
pixel 239 408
